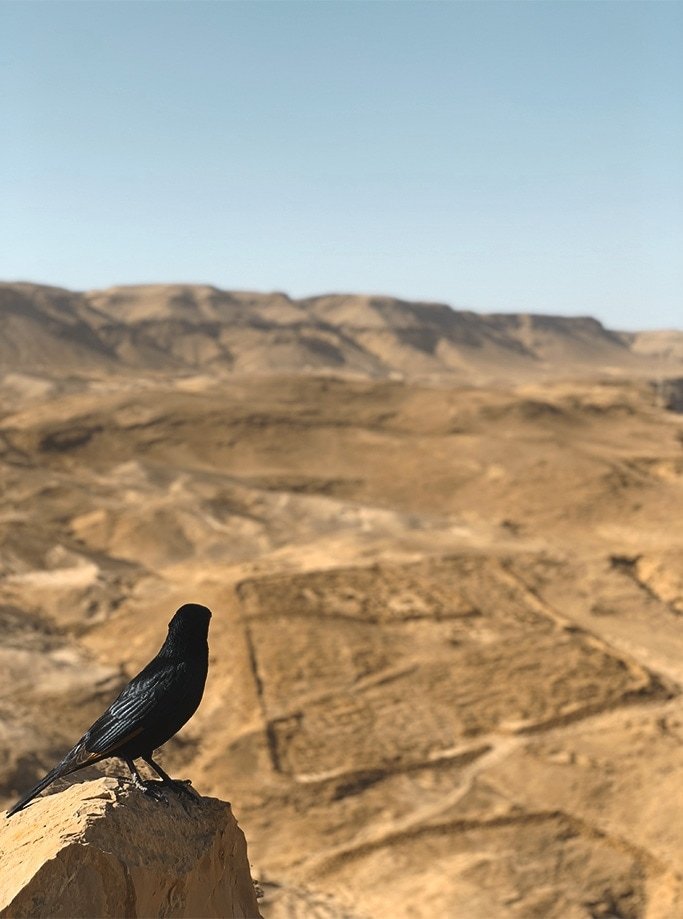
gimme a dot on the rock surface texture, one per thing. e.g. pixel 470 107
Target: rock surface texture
pixel 101 848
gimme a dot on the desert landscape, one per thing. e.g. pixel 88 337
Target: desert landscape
pixel 444 552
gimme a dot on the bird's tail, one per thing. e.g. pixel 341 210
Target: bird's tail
pixel 36 790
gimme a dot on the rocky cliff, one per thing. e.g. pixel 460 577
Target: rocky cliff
pixel 101 848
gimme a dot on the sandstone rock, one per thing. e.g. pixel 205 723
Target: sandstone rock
pixel 101 848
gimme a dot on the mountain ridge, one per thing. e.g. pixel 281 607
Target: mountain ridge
pixel 190 327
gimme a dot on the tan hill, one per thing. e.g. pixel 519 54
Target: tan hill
pixel 665 344
pixel 47 328
pixel 100 848
pixel 201 328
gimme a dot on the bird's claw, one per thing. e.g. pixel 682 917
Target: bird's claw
pixel 153 790
pixel 184 787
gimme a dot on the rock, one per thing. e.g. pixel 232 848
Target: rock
pixel 102 848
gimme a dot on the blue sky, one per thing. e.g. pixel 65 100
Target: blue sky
pixel 496 156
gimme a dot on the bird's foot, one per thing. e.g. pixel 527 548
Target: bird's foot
pixel 152 789
pixel 155 790
pixel 183 787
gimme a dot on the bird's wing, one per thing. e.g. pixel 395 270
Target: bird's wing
pixel 129 714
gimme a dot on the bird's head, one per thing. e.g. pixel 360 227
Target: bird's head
pixel 191 620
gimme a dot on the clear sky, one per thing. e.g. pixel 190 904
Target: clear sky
pixel 495 156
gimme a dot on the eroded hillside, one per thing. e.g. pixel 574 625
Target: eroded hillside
pixel 182 328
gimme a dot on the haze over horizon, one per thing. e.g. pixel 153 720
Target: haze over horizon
pixel 498 157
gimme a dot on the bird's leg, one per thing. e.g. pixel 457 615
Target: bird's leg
pixel 149 788
pixel 181 785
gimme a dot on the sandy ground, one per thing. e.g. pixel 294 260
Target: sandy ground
pixel 447 646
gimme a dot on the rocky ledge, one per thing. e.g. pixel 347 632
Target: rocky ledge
pixel 102 848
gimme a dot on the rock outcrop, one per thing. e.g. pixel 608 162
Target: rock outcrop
pixel 101 848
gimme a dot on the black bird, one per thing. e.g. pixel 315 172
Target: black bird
pixel 150 710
